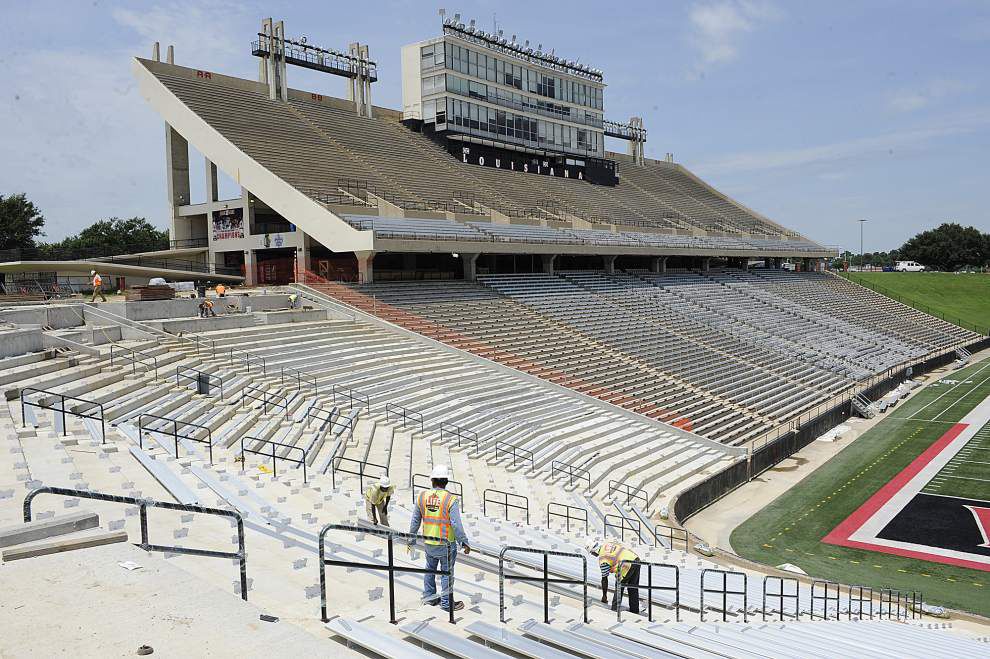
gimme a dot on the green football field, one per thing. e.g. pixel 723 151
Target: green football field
pixel 790 529
pixel 964 297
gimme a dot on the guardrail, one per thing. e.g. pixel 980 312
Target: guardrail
pixel 724 591
pixel 352 395
pixel 781 595
pixel 892 598
pixel 567 515
pixel 558 468
pixel 450 430
pixel 673 534
pixel 133 357
pixel 455 487
pixel 266 398
pixel 143 504
pixel 175 432
pixel 393 410
pixel 389 567
pixel 61 409
pixel 631 493
pixel 621 587
pixel 546 579
pixel 864 595
pixel 204 381
pixel 518 453
pixel 829 593
pixel 273 455
pixel 623 524
pixel 504 502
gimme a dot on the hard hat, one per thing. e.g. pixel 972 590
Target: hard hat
pixel 440 471
pixel 594 546
pixel 384 482
pixel 92 272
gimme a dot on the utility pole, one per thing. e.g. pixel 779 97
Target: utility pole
pixel 862 258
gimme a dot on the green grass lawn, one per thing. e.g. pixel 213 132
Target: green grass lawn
pixel 961 296
pixel 790 529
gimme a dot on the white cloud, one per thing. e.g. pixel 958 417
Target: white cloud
pixel 844 150
pixel 717 28
pixel 909 100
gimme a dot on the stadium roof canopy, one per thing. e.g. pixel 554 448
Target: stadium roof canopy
pixel 371 184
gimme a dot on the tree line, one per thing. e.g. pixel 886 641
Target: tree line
pixel 22 226
pixel 948 247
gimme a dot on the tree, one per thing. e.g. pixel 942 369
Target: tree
pixel 20 222
pixel 117 236
pixel 948 247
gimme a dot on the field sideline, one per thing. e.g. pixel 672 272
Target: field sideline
pixel 790 529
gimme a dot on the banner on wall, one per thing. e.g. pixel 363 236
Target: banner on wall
pixel 228 223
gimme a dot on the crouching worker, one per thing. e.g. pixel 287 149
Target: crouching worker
pixel 206 308
pixel 611 556
pixel 439 512
pixel 376 499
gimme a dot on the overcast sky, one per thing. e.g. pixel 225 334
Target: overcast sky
pixel 815 114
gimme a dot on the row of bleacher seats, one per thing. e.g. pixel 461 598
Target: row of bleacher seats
pixel 314 145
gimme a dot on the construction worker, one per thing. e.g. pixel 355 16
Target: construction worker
pixel 292 300
pixel 611 554
pixel 97 282
pixel 376 499
pixel 439 511
pixel 206 308
pixel 221 290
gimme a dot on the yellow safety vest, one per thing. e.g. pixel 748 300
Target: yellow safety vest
pixel 376 495
pixel 434 506
pixel 613 553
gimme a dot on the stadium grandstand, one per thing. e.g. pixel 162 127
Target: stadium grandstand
pixel 592 345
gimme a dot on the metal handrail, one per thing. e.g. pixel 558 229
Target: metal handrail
pixel 626 524
pixel 390 567
pixel 267 398
pixel 459 433
pixel 61 409
pixel 825 597
pixel 144 504
pixel 631 492
pixel 134 359
pixel 781 595
pixel 274 456
pixel 724 592
pixel 864 594
pixel 676 588
pixel 516 452
pixel 893 598
pixel 350 394
pixel 504 502
pixel 570 471
pixel 671 537
pixel 546 579
pixel 404 413
pixel 567 515
pixel 459 492
pixel 175 432
pixel 183 373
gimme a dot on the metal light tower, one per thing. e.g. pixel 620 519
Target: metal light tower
pixel 862 258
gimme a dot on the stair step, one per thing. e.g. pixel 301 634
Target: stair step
pixel 20 534
pixel 71 542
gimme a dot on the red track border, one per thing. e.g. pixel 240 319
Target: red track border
pixel 840 534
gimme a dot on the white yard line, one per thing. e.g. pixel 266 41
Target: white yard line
pixel 951 389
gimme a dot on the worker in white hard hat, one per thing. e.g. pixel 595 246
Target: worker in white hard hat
pixel 439 512
pixel 97 282
pixel 376 499
pixel 614 558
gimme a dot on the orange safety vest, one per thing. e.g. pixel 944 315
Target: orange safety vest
pixel 221 289
pixel 97 280
pixel 434 505
pixel 613 553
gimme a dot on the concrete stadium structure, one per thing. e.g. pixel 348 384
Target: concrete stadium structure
pixel 579 349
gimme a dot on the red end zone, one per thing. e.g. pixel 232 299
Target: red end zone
pixel 841 534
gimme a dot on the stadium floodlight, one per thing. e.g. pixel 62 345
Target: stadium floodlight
pixel 457 18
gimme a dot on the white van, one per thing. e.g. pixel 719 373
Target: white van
pixel 909 266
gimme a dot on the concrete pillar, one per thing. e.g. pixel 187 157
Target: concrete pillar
pixel 470 262
pixel 250 268
pixel 705 264
pixel 548 262
pixel 176 167
pixel 658 264
pixel 609 263
pixel 212 185
pixel 366 266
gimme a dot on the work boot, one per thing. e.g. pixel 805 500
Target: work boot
pixel 457 606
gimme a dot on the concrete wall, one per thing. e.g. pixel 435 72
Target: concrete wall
pixel 19 341
pixel 154 310
pixel 297 316
pixel 204 324
pixel 58 317
pixel 259 302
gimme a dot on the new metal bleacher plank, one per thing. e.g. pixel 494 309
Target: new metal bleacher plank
pixel 380 644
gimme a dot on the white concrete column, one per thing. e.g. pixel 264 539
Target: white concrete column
pixel 250 268
pixel 609 263
pixel 705 263
pixel 658 264
pixel 548 263
pixel 212 185
pixel 366 266
pixel 470 262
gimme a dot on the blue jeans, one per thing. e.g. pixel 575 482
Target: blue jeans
pixel 436 558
